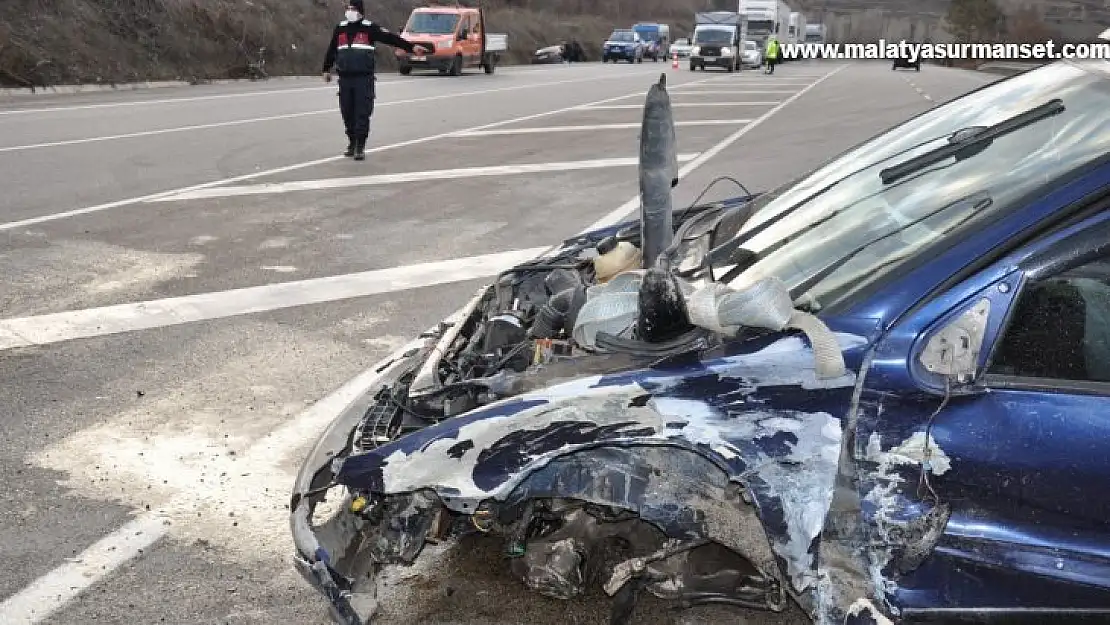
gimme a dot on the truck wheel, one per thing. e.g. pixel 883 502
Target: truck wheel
pixel 456 66
pixel 693 68
pixel 405 70
pixel 488 67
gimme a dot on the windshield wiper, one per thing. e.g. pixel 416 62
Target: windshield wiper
pixel 961 144
pixel 726 251
pixel 977 202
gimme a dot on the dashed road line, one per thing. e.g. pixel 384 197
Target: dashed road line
pixel 736 91
pixel 919 90
pixel 270 118
pixel 60 586
pixel 391 80
pixel 594 127
pixel 172 311
pixel 616 107
pixel 276 188
pixel 199 98
pixel 22 223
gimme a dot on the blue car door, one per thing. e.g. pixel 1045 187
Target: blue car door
pixel 983 440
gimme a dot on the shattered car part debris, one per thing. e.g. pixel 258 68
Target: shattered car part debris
pixel 751 412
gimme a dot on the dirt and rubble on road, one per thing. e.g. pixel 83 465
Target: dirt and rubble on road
pixel 468 583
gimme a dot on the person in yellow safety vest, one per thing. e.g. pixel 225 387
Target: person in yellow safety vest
pixel 771 54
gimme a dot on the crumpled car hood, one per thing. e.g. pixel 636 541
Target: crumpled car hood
pixel 764 418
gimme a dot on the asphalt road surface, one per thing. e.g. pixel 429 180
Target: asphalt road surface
pixel 189 274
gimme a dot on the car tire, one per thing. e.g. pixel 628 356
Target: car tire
pixel 405 70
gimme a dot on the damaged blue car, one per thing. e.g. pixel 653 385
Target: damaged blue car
pixel 879 391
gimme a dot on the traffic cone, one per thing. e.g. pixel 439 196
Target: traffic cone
pixel 674 60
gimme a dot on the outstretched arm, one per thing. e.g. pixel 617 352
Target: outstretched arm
pixel 329 57
pixel 388 38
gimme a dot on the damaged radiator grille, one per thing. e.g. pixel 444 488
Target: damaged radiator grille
pixel 381 423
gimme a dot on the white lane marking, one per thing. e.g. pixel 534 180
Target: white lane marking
pixel 37 601
pixel 591 127
pixel 164 131
pixel 919 90
pixel 49 593
pixel 735 91
pixel 90 322
pixel 30 221
pixel 614 107
pixel 393 80
pixel 199 98
pixel 412 176
pixel 621 213
pixel 270 118
pixel 763 83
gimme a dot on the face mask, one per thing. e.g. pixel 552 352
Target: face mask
pixel 353 16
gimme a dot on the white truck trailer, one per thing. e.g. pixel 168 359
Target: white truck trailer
pixel 766 18
pixel 796 28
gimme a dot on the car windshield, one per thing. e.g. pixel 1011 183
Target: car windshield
pixel 712 35
pixel 621 35
pixel 648 34
pixel 432 23
pixel 880 226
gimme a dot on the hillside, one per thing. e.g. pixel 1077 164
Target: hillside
pixel 45 42
pixel 108 41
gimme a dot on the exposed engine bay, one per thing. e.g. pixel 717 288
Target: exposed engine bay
pixel 628 520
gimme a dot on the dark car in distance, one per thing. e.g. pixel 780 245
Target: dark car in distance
pixel 906 62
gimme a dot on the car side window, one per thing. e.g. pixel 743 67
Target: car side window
pixel 1060 327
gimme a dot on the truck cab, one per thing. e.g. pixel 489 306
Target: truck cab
pixel 718 41
pixel 456 37
pixel 815 35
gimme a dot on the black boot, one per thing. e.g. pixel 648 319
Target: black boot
pixel 350 148
pixel 360 150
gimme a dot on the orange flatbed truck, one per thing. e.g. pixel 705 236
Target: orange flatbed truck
pixel 456 37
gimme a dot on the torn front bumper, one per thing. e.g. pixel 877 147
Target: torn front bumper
pixel 430 61
pixel 326 556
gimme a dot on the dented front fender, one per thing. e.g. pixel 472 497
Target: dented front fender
pixel 763 419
